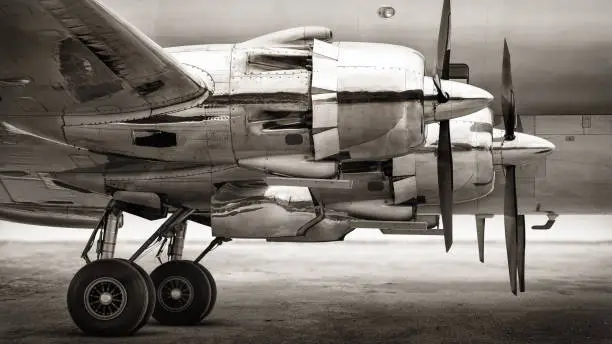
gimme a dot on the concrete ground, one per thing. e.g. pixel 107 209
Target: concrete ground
pixel 352 292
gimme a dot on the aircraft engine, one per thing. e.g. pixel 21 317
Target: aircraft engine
pixel 382 191
pixel 414 176
pixel 392 191
pixel 327 102
pixel 333 102
pixel 291 105
pixel 367 100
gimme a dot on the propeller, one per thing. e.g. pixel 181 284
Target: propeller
pixel 513 223
pixel 507 99
pixel 445 154
pixel 510 225
pixel 442 69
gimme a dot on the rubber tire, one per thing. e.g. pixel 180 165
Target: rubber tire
pixel 151 291
pixel 213 292
pixel 202 291
pixel 137 298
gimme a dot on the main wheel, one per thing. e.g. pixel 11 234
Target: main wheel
pixel 151 294
pixel 183 293
pixel 108 297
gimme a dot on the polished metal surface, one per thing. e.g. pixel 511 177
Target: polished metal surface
pixel 331 228
pixel 291 36
pixel 522 150
pixel 179 216
pixel 464 99
pixel 473 173
pixel 292 165
pixel 177 242
pixel 75 216
pixel 256 210
pixel 108 238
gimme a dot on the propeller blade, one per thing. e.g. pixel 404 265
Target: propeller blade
pixel 521 241
pixel 445 154
pixel 442 68
pixel 511 224
pixel 445 182
pixel 480 233
pixel 507 99
pixel 519 124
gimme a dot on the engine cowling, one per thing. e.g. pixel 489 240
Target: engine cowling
pixel 393 191
pixel 341 101
pixel 414 176
pixel 367 100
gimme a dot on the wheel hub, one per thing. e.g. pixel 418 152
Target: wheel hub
pixel 105 298
pixel 175 294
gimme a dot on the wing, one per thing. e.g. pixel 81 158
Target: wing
pixel 33 198
pixel 78 59
pixel 29 195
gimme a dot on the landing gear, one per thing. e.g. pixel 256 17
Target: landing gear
pixel 116 297
pixel 109 297
pixel 184 293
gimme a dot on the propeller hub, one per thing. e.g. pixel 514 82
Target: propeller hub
pixel 522 149
pixel 461 100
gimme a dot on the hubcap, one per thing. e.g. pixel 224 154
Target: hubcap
pixel 105 298
pixel 175 294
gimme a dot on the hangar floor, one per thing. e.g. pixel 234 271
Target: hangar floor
pixel 352 292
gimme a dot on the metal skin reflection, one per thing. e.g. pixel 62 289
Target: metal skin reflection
pixel 294 95
pixel 270 211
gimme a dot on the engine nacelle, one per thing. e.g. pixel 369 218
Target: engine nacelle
pixel 367 100
pixel 415 176
pixel 256 210
pixel 393 191
pixel 345 101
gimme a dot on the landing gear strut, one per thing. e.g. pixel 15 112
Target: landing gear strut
pixel 116 297
pixel 186 291
pixel 110 297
